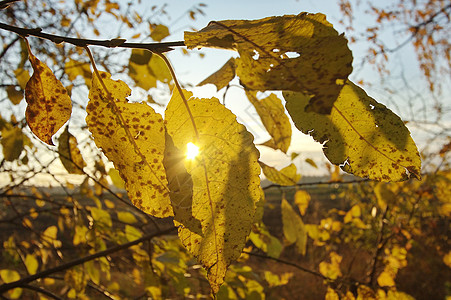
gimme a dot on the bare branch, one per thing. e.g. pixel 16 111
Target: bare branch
pixel 113 43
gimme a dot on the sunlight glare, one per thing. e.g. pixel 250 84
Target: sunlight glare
pixel 191 151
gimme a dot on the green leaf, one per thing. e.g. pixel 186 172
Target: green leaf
pixel 362 136
pixel 276 122
pixel 223 76
pixel 320 65
pixel 70 155
pixel 293 227
pixel 132 136
pixel 225 181
pixel 287 176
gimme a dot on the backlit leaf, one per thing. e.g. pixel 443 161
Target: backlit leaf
pixel 223 76
pixel 116 178
pixel 11 276
pixel 300 53
pixel 386 278
pixel 145 69
pixel 363 136
pixel 101 217
pixel 22 77
pixel 49 105
pixel 159 32
pixel 126 217
pixel 225 181
pixel 331 270
pixel 293 227
pixel 70 155
pixel 276 122
pixel 12 141
pixel 75 68
pixel 302 200
pixel 263 240
pixel 286 176
pixel 14 95
pixel 132 136
pixel 31 263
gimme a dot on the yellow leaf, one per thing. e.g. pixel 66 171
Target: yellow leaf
pixel 75 68
pixel 126 217
pixel 225 181
pixel 22 77
pixel 159 32
pixel 447 259
pixel 286 177
pixel 276 122
pixel 101 217
pixel 132 233
pixel 362 135
pixel 145 69
pixel 301 53
pixel 31 263
pixel 11 276
pixel 331 270
pixel 223 76
pixel 293 227
pixel 331 294
pixel 302 200
pixel 132 136
pixel 14 95
pixel 116 178
pixel 386 278
pixel 263 240
pixel 49 105
pixel 69 153
pixel 12 141
pixel 354 212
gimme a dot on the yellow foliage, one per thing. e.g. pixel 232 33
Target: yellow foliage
pixel 286 176
pixel 276 122
pixel 223 76
pixel 132 136
pixel 331 270
pixel 362 135
pixel 69 153
pixel 224 179
pixel 293 227
pixel 264 46
pixel 49 105
pixel 302 200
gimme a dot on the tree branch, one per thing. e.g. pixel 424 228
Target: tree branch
pixel 24 281
pixel 113 43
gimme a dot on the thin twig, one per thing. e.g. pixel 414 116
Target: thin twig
pixel 24 281
pixel 113 43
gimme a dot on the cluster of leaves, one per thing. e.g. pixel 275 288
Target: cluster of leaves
pixel 214 198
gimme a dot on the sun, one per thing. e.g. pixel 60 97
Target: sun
pixel 191 151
